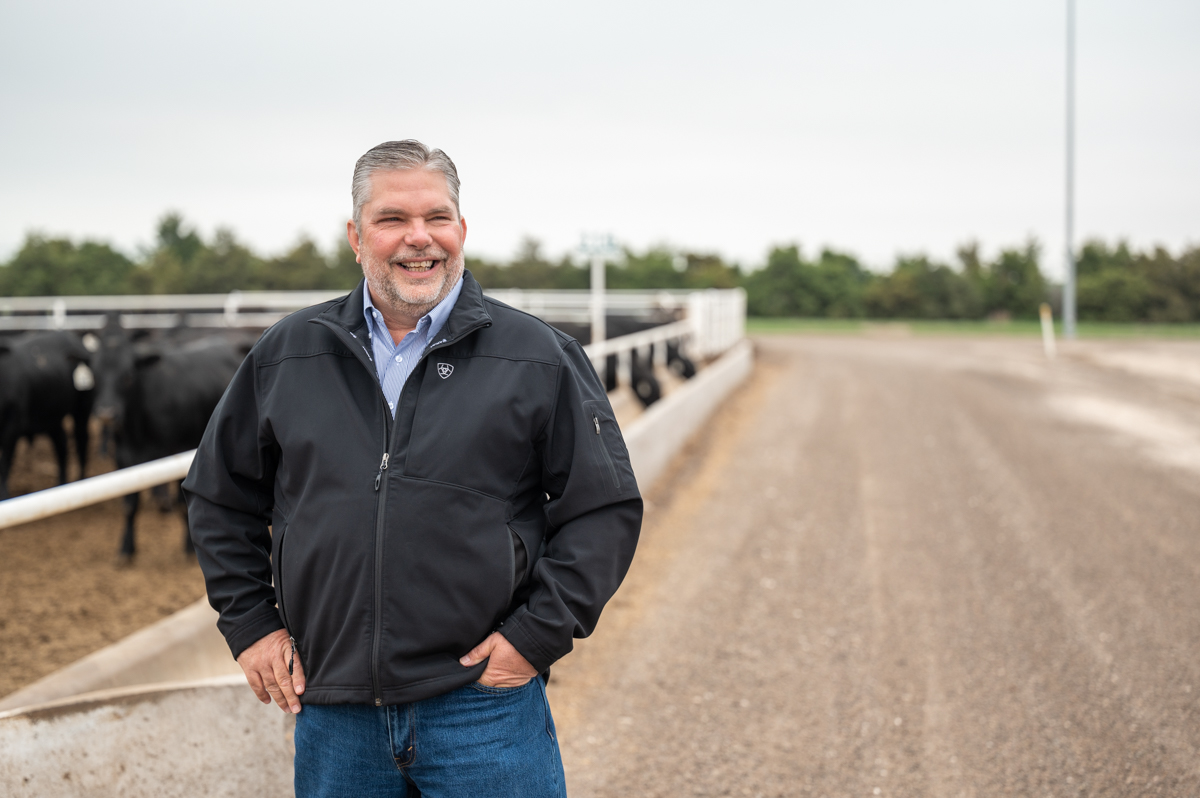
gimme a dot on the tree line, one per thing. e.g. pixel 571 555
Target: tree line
pixel 1115 282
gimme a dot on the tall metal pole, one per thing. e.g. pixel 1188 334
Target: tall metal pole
pixel 598 249
pixel 1069 282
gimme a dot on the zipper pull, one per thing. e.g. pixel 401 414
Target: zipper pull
pixel 292 657
pixel 382 468
pixel 596 421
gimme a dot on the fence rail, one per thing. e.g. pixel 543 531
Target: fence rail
pixel 93 490
pixel 79 312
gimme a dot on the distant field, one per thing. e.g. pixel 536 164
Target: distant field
pixel 764 326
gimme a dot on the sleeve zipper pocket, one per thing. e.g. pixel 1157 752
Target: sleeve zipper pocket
pixel 605 454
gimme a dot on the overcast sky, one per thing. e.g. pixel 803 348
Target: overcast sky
pixel 872 127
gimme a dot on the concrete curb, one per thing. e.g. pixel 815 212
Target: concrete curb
pixel 657 435
pixel 182 646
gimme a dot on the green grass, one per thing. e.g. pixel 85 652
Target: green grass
pixel 768 326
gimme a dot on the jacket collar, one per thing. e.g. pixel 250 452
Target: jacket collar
pixel 469 312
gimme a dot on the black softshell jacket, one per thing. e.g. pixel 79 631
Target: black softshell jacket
pixel 500 497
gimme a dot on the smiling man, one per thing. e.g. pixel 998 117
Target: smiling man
pixel 408 503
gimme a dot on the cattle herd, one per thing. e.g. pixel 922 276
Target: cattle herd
pixel 152 393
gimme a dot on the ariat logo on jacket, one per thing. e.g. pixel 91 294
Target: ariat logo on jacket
pixel 445 370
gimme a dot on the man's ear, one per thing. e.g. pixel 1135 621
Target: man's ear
pixel 462 220
pixel 352 237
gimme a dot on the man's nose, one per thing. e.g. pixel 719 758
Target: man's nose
pixel 417 235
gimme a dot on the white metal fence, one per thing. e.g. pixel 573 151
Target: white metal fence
pixel 715 321
pixel 143 311
pixel 717 316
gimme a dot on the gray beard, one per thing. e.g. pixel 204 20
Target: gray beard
pixel 387 290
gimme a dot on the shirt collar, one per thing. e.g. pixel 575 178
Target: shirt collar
pixel 431 321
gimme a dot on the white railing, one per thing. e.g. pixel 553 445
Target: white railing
pixel 718 318
pixel 129 303
pixel 261 309
pixel 641 342
pixel 145 311
pixel 679 330
pixel 575 305
pixel 552 302
pixel 93 490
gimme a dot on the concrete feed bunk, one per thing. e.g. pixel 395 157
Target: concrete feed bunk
pixel 206 737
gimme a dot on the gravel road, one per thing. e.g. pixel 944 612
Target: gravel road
pixel 912 567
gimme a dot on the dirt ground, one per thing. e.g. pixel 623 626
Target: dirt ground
pixel 62 595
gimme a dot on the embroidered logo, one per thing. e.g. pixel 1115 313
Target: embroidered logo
pixel 445 370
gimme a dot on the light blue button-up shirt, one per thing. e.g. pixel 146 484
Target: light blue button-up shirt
pixel 395 361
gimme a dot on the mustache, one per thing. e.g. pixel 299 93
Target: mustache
pixel 422 254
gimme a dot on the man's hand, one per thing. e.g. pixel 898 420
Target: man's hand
pixel 506 667
pixel 266 667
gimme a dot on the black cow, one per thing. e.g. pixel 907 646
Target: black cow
pixel 14 406
pixel 681 364
pixel 54 371
pixel 645 385
pixel 157 396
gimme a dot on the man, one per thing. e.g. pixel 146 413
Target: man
pixel 449 500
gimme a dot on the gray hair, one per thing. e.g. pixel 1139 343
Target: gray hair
pixel 407 154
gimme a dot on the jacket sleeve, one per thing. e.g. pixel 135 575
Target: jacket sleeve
pixel 594 514
pixel 230 495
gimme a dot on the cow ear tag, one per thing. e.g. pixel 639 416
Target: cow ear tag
pixel 83 378
pixel 445 370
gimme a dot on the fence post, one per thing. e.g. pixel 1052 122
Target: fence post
pixel 232 302
pixel 698 307
pixel 1047 317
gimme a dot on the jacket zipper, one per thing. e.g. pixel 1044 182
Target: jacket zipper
pixel 381 489
pixel 377 631
pixel 612 469
pixel 382 468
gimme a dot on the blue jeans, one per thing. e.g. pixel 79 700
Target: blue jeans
pixel 473 741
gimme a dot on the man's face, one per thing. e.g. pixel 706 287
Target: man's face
pixel 411 239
